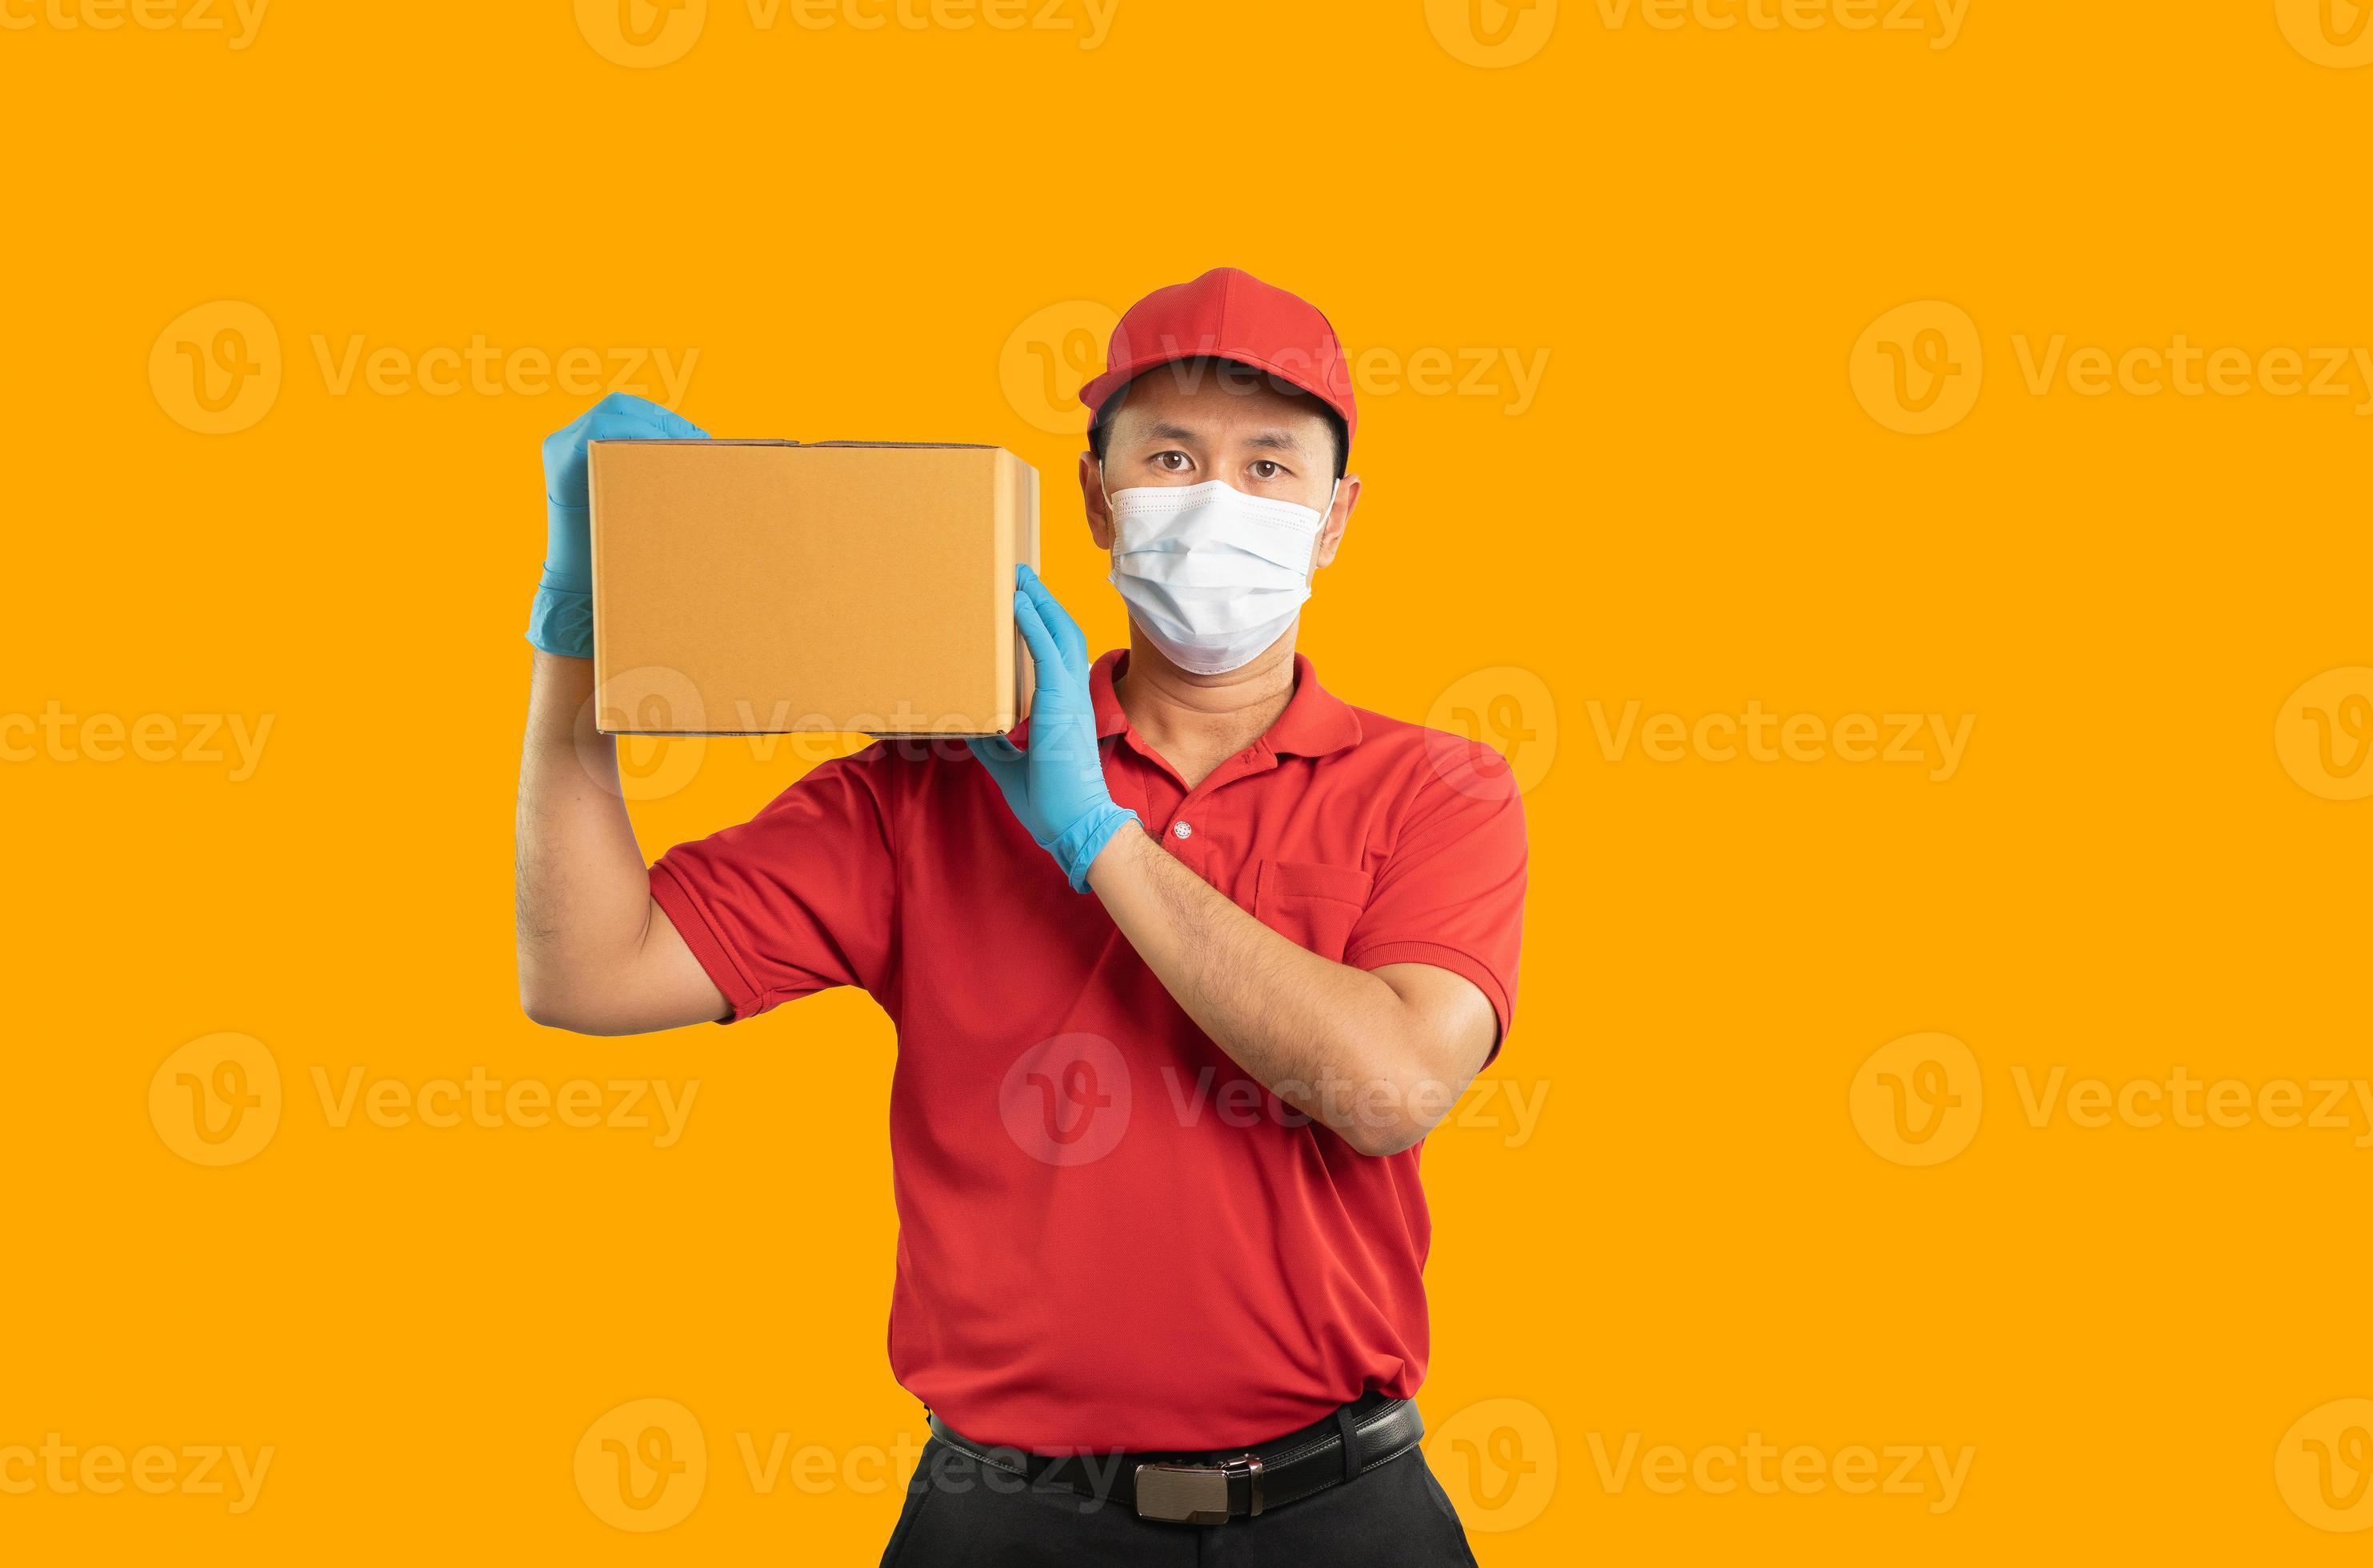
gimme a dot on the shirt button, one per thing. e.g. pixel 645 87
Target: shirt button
pixel 1185 830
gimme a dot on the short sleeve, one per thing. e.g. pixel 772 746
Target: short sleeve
pixel 800 898
pixel 1451 891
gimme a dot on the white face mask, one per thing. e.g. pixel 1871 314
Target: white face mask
pixel 1211 575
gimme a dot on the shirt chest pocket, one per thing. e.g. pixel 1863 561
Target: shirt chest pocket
pixel 1312 903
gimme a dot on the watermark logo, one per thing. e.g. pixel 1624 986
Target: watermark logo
pixel 1718 1469
pixel 2338 33
pixel 1090 19
pixel 484 370
pixel 650 732
pixel 2335 371
pixel 2180 1100
pixel 647 33
pixel 55 735
pixel 813 1469
pixel 217 1100
pixel 1938 20
pixel 103 1469
pixel 1508 1108
pixel 1917 1100
pixel 2324 1465
pixel 216 368
pixel 657 1107
pixel 1481 1111
pixel 655 713
pixel 1501 373
pixel 1050 358
pixel 1498 1461
pixel 643 1466
pixel 1493 34
pixel 1934 741
pixel 2324 734
pixel 1053 353
pixel 238 21
pixel 1918 369
pixel 1494 732
pixel 219 368
pixel 640 34
pixel 1067 1100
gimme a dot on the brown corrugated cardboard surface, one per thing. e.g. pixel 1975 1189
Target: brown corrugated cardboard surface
pixel 765 587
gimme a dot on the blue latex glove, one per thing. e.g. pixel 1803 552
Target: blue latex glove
pixel 1057 786
pixel 562 620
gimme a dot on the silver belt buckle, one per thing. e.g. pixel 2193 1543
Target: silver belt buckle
pixel 1193 1494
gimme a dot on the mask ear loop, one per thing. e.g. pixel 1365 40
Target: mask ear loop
pixel 1112 521
pixel 1334 495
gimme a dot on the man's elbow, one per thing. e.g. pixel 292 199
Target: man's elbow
pixel 557 1006
pixel 1387 1118
pixel 551 1012
pixel 1378 1140
pixel 1393 1112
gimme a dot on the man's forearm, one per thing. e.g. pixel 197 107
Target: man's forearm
pixel 1379 1057
pixel 584 899
pixel 1340 1045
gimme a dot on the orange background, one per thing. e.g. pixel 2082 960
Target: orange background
pixel 883 234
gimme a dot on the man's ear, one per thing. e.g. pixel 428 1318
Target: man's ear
pixel 1330 532
pixel 1092 492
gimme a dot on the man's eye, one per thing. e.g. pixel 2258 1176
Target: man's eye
pixel 1265 469
pixel 1172 461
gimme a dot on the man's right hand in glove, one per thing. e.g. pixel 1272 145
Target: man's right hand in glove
pixel 562 620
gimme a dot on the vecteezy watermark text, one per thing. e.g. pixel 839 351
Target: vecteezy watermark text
pixel 2322 1104
pixel 488 371
pixel 194 1469
pixel 1939 20
pixel 1929 739
pixel 217 368
pixel 1907 1469
pixel 56 735
pixel 217 1101
pixel 618 1103
pixel 239 20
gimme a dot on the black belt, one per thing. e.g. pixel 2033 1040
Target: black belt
pixel 1214 1487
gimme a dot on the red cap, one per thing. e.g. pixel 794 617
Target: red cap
pixel 1228 314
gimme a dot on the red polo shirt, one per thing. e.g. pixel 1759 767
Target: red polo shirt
pixel 1109 1236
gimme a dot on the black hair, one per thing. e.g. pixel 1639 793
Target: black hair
pixel 1100 428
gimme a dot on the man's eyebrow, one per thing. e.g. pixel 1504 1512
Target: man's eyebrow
pixel 1275 440
pixel 1171 433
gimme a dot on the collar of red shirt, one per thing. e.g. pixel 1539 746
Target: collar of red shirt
pixel 1315 720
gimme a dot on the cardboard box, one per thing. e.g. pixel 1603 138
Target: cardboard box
pixel 768 587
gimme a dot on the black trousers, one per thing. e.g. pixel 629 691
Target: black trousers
pixel 959 1511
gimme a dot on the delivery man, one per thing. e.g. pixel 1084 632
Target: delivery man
pixel 1182 971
